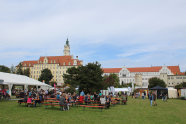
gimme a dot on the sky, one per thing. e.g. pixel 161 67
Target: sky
pixel 116 33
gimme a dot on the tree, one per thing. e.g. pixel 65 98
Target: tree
pixel 26 72
pixel 156 82
pixel 19 69
pixel 88 78
pixel 179 86
pixel 4 69
pixel 46 75
pixel 70 90
pixel 111 80
pixel 12 69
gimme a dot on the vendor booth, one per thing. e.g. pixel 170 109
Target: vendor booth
pixel 160 91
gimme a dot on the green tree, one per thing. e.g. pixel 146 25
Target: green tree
pixel 70 90
pixel 46 75
pixel 19 69
pixel 156 82
pixel 110 80
pixel 4 69
pixel 179 86
pixel 12 69
pixel 88 78
pixel 26 72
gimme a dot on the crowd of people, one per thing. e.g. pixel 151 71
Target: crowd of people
pixel 4 94
pixel 65 99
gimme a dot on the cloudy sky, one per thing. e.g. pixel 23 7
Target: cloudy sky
pixel 116 33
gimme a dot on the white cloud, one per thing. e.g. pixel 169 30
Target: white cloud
pixel 132 27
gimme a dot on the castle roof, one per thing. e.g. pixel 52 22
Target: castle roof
pixel 61 60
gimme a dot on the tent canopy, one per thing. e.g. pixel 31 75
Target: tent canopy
pixel 158 88
pixel 121 89
pixel 7 78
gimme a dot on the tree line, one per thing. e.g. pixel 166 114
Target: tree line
pixel 13 70
pixel 88 78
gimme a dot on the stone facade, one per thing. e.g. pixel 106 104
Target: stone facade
pixel 141 75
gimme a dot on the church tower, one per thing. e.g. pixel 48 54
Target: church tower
pixel 67 48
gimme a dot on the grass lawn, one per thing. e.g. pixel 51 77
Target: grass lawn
pixel 137 111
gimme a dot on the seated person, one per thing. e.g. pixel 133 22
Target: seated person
pixel 29 101
pixel 124 99
pixel 102 100
pixel 57 96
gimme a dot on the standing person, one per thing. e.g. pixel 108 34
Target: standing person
pixel 151 99
pixel 62 102
pixel 142 95
pixel 132 94
pixel 154 99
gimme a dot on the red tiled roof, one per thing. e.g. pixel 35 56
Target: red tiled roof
pixel 174 69
pixel 61 60
pixel 111 70
pixel 28 63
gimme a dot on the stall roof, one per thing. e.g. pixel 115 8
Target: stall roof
pixel 9 78
pixel 158 88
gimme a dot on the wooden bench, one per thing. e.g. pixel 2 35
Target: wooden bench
pixel 124 102
pixel 92 106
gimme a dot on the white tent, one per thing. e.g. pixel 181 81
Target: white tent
pixel 172 93
pixel 121 89
pixel 14 79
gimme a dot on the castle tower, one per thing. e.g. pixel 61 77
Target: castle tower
pixel 67 48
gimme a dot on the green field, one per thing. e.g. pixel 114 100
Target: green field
pixel 137 111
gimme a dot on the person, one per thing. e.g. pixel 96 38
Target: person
pixel 151 99
pixel 102 100
pixel 132 94
pixel 108 100
pixel 62 102
pixel 124 98
pixel 82 93
pixel 37 100
pixel 165 98
pixel 142 95
pixel 86 99
pixel 57 96
pixel 95 96
pixel 29 101
pixel 0 93
pixel 100 94
pixel 154 99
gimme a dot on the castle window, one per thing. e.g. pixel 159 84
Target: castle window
pixel 51 61
pixel 54 61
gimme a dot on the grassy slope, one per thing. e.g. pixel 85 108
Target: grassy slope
pixel 137 111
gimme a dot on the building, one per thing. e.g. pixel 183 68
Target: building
pixel 57 64
pixel 141 75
